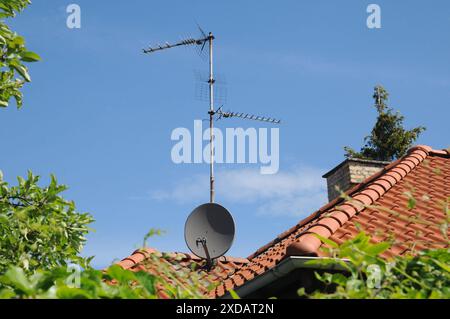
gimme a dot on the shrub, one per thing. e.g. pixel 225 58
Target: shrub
pixel 39 229
pixel 369 276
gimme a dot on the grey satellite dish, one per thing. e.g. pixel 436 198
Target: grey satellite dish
pixel 209 231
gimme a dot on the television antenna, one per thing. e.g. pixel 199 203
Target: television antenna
pixel 201 42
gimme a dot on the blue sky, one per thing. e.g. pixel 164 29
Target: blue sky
pixel 99 113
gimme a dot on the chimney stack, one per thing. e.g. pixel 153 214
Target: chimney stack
pixel 349 173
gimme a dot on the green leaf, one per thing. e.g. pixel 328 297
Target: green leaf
pixel 327 241
pixel 16 278
pixel 121 275
pixel 72 293
pixel 29 56
pixel 233 294
pixel 339 279
pixel 301 292
pixel 22 71
pixel 147 281
pixel 19 41
pixel 375 250
pixel 411 203
pixel 442 265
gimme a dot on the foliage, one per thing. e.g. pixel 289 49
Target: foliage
pixel 388 139
pixel 114 282
pixel 38 227
pixel 62 283
pixel 152 232
pixel 367 275
pixel 76 282
pixel 9 8
pixel 13 72
pixel 179 282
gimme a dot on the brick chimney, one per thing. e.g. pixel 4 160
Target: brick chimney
pixel 349 173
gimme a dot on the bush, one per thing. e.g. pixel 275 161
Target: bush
pixel 62 283
pixel 112 283
pixel 39 229
pixel 367 276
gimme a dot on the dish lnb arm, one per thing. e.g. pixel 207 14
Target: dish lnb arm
pixel 209 262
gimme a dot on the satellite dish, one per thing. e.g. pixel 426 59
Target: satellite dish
pixel 209 231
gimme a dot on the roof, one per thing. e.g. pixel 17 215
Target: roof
pixel 378 205
pixel 423 171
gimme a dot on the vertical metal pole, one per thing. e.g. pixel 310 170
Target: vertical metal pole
pixel 211 118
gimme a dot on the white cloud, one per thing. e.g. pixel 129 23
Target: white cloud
pixel 296 192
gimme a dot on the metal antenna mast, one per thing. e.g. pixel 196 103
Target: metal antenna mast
pixel 212 112
pixel 211 120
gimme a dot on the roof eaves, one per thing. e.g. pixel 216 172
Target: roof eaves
pixel 283 269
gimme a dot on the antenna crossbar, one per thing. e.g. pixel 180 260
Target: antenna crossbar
pixel 188 41
pixel 247 116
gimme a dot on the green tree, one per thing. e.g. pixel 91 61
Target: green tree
pixel 389 139
pixel 13 72
pixel 39 229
